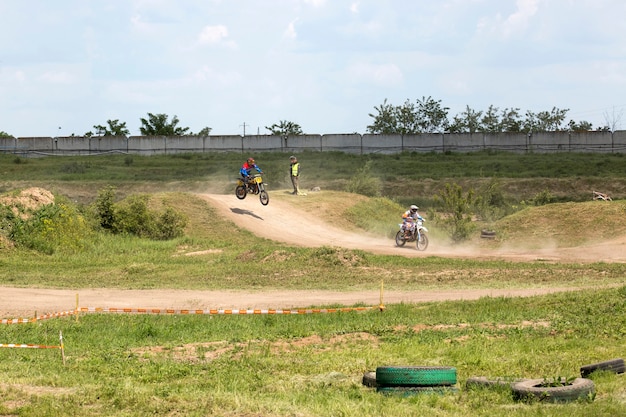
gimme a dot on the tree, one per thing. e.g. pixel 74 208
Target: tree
pixel 510 120
pixel 613 120
pixel 385 122
pixel 582 126
pixel 113 128
pixel 4 134
pixel 490 121
pixel 467 121
pixel 157 125
pixel 285 128
pixel 406 119
pixel 204 132
pixel 433 118
pixel 545 121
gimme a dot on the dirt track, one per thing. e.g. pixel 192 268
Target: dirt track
pixel 281 222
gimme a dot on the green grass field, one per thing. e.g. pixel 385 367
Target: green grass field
pixel 312 365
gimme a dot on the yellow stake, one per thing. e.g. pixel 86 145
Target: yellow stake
pixel 381 306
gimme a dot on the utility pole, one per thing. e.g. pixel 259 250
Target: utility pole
pixel 244 128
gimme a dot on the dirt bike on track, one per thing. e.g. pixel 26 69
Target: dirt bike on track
pixel 417 235
pixel 254 186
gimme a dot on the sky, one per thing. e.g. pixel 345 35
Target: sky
pixel 238 66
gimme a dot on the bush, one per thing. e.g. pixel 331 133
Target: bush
pixel 133 216
pixel 51 228
pixel 457 219
pixel 364 183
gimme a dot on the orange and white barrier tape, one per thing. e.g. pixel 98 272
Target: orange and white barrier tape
pixel 34 346
pixel 223 311
pixel 38 318
pixel 27 346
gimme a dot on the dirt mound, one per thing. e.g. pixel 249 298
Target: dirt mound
pixel 285 222
pixel 27 201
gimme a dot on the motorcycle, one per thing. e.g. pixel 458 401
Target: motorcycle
pixel 255 185
pixel 415 234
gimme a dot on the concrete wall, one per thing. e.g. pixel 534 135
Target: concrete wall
pixel 543 142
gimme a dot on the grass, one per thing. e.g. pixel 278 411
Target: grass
pixel 311 365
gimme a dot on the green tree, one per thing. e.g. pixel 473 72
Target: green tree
pixel 510 120
pixel 285 128
pixel 467 121
pixel 581 126
pixel 204 132
pixel 433 118
pixel 4 134
pixel 458 211
pixel 386 121
pixel 406 119
pixel 113 128
pixel 158 125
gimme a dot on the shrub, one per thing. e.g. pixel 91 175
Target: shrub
pixel 457 219
pixel 364 183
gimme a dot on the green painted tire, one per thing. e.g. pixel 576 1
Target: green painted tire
pixel 415 376
pixel 408 391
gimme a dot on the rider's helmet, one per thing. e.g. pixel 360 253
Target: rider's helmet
pixel 251 161
pixel 414 208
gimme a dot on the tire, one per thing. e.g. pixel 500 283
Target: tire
pixel 484 382
pixel 241 192
pixel 487 234
pixel 422 242
pixel 369 379
pixel 532 390
pixel 614 365
pixel 400 238
pixel 264 197
pixel 408 391
pixel 412 376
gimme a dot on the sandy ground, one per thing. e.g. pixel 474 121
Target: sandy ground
pixel 281 222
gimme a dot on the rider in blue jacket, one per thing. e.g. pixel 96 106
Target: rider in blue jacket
pixel 247 167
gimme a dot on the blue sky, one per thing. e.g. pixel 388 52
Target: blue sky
pixel 68 65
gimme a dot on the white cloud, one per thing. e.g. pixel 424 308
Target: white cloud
pixel 380 74
pixel 290 32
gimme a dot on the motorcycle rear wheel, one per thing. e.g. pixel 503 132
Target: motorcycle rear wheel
pixel 241 192
pixel 422 242
pixel 400 238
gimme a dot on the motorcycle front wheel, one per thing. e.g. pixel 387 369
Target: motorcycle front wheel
pixel 241 192
pixel 400 238
pixel 422 242
pixel 264 197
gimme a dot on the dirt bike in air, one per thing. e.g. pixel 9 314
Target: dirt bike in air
pixel 255 186
pixel 415 234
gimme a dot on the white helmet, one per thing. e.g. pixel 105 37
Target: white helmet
pixel 414 207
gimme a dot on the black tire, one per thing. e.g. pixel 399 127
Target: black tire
pixel 369 379
pixel 422 242
pixel 484 382
pixel 408 391
pixel 241 192
pixel 264 197
pixel 400 238
pixel 532 389
pixel 614 365
pixel 412 376
pixel 488 234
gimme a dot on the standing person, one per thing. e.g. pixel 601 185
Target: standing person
pixel 294 173
pixel 247 167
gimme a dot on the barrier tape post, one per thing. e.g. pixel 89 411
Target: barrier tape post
pixel 381 306
pixel 76 308
pixel 62 347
